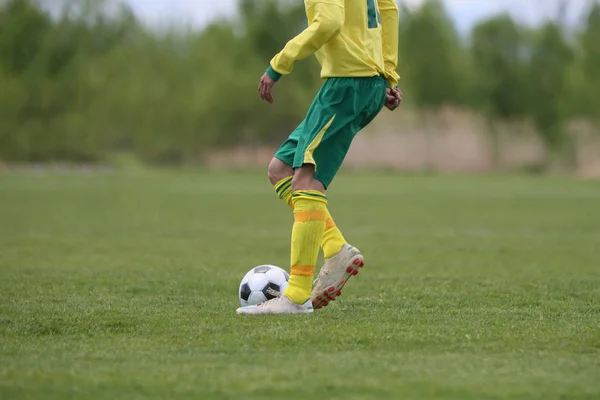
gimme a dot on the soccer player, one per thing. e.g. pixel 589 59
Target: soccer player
pixel 356 44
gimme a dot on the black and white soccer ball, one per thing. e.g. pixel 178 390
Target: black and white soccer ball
pixel 262 283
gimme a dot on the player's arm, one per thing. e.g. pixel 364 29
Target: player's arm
pixel 389 26
pixel 327 22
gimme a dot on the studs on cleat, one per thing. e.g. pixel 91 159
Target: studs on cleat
pixel 349 270
pixel 331 289
pixel 355 272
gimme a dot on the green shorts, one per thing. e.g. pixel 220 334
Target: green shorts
pixel 341 109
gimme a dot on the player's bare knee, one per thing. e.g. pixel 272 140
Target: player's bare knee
pixel 273 177
pixel 278 170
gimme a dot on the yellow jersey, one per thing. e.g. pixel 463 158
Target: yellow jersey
pixel 350 38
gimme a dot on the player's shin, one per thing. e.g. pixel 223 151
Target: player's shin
pixel 333 240
pixel 310 215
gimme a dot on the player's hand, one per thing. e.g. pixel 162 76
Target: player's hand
pixel 264 88
pixel 393 98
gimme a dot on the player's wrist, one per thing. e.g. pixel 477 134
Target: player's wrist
pixel 274 75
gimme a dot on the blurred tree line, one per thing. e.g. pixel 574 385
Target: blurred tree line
pixel 93 80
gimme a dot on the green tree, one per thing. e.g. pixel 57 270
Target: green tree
pixel 550 60
pixel 500 53
pixel 23 27
pixel 431 56
pixel 499 50
pixel 590 46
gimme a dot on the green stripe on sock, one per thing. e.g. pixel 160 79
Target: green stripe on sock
pixel 281 191
pixel 283 183
pixel 300 193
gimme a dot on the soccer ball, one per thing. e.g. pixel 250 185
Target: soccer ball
pixel 262 283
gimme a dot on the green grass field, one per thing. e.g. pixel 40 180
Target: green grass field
pixel 124 286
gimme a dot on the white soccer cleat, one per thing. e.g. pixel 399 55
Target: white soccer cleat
pixel 334 275
pixel 278 305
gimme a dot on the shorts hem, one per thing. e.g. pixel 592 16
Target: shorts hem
pixel 286 160
pixel 326 182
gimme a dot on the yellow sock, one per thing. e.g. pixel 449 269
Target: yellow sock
pixel 333 240
pixel 310 214
pixel 284 190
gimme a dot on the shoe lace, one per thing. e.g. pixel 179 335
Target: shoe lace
pixel 269 302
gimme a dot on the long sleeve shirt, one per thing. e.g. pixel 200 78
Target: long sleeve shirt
pixel 350 38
